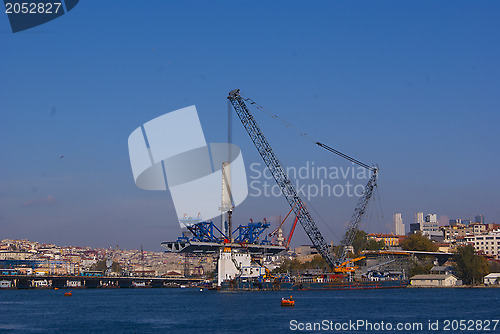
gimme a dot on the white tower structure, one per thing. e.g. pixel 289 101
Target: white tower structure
pixel 419 217
pixel 399 227
pixel 226 202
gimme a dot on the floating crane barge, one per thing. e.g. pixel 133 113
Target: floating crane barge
pixel 239 266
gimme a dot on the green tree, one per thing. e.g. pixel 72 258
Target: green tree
pixel 288 265
pixel 418 242
pixel 374 245
pixel 359 241
pixel 316 263
pixel 421 268
pixel 470 267
pixel 101 266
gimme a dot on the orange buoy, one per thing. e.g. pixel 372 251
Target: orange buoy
pixel 287 302
pixel 56 288
pixel 68 294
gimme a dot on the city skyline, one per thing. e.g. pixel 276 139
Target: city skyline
pixel 401 85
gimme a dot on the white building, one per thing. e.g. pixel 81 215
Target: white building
pixel 434 281
pixel 488 244
pixel 232 264
pixel 491 279
pixel 399 227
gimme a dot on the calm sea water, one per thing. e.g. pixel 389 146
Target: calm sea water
pixel 192 311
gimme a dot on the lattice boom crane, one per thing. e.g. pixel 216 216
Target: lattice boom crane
pixel 279 175
pixel 291 195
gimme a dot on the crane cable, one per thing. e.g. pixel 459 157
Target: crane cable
pixel 321 218
pixel 314 141
pixel 307 136
pixel 302 134
pixel 380 203
pixel 285 123
pixel 376 198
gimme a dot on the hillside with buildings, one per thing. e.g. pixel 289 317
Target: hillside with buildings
pixel 31 257
pixel 415 253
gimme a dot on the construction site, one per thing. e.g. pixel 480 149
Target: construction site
pixel 244 254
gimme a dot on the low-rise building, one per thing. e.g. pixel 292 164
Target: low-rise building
pixel 457 231
pixel 388 239
pixel 492 279
pixel 13 255
pixel 73 258
pixel 434 281
pixel 305 250
pixel 445 247
pixel 478 228
pixel 460 242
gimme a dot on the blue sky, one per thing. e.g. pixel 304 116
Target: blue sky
pixel 410 86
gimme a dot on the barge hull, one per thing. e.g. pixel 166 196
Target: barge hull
pixel 295 286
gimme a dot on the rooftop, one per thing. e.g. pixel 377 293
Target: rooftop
pixel 493 275
pixel 422 277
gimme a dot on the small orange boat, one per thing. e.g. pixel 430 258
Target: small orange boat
pixel 68 294
pixel 287 301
